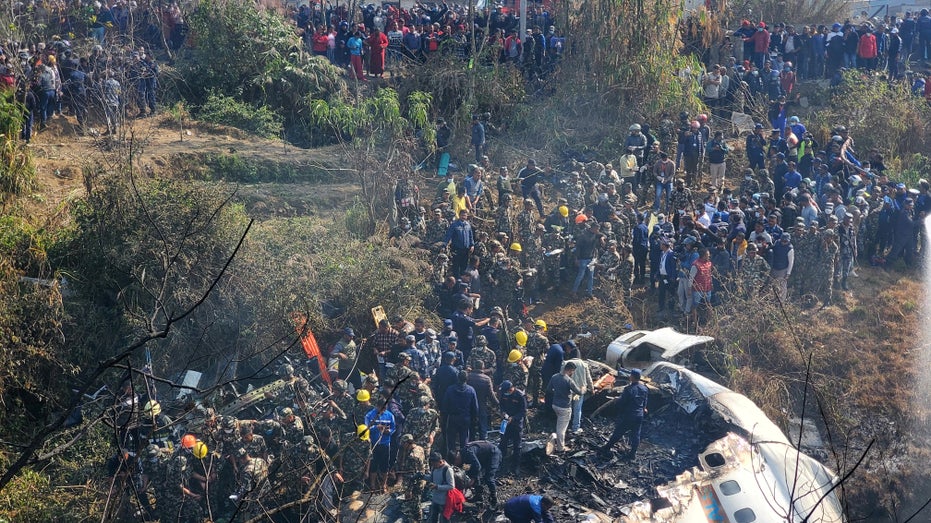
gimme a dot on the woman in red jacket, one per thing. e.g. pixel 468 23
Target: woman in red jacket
pixel 866 50
pixel 377 43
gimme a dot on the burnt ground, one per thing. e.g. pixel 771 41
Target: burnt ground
pixel 585 484
pixel 671 442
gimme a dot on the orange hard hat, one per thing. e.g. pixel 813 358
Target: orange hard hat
pixel 581 218
pixel 188 441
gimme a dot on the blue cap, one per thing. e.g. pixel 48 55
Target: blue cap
pixel 835 27
pixel 448 323
pixel 570 343
pixel 505 385
pixel 900 185
pixel 636 373
pixel 349 332
pixel 449 356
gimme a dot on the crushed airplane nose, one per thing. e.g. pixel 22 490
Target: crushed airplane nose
pixel 753 474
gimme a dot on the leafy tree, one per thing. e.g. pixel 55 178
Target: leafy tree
pixel 377 139
pixel 255 56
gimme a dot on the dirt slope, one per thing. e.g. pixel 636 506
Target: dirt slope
pixel 60 152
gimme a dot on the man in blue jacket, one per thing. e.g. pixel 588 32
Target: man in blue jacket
pixel 668 275
pixel 529 508
pixel 380 422
pixel 461 239
pixel 513 404
pixel 632 405
pixel 459 410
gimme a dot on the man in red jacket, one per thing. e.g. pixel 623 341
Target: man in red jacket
pixel 866 49
pixel 760 41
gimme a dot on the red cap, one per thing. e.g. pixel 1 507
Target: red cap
pixel 762 24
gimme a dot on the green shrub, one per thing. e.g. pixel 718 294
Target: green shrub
pixel 17 172
pixel 226 110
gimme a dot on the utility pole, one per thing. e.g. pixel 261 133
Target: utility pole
pixel 523 20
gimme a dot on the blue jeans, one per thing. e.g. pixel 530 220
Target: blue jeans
pixel 46 105
pixel 660 189
pixel 583 268
pixel 577 413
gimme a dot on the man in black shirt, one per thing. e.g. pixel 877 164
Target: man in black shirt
pixel 586 251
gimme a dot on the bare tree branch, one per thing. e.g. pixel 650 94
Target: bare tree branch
pixel 40 437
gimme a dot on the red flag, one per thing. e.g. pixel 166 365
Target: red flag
pixel 309 343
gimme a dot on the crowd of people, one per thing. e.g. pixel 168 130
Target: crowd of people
pixel 411 403
pixel 385 35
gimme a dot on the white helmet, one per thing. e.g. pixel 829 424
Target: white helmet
pixel 634 127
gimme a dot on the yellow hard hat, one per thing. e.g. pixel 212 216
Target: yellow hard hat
pixel 564 211
pixel 515 354
pixel 200 450
pixel 516 247
pixel 541 324
pixel 152 408
pixel 363 432
pixel 521 338
pixel 363 395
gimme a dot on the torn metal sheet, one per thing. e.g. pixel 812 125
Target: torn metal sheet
pixel 641 348
pixel 752 474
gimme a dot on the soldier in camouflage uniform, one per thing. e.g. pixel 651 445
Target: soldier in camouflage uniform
pixel 607 230
pixel 153 469
pixel 826 267
pixel 681 198
pixel 401 371
pixel 749 186
pixel 253 484
pixel 805 249
pixel 575 192
pixel 667 134
pixel 423 423
pixel 346 404
pixel 177 499
pixel 537 346
pixel 507 283
pixel 533 251
pixel 525 222
pixel 766 183
pixel 608 262
pixel 297 392
pixel 253 443
pixel 629 213
pixel 515 371
pixel 625 272
pixel 356 457
pixel 550 276
pixel 503 222
pixel 412 464
pixel 482 353
pixel 439 269
pixel 753 272
pixel 436 230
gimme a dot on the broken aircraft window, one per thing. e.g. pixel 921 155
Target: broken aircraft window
pixel 715 460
